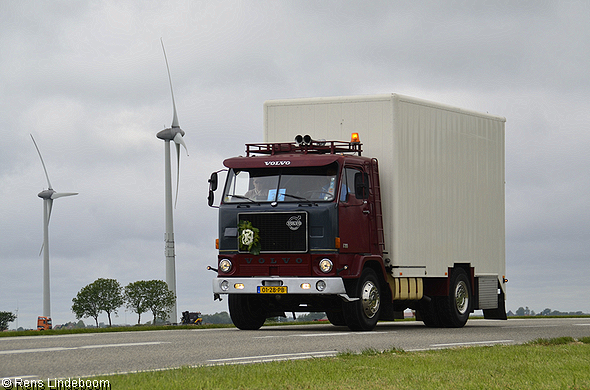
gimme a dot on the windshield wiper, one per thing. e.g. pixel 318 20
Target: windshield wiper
pixel 242 197
pixel 295 197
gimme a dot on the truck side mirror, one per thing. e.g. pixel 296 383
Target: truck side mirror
pixel 210 198
pixel 212 187
pixel 213 182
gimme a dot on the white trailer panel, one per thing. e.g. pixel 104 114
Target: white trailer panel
pixel 441 170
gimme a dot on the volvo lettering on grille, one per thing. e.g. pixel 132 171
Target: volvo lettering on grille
pixel 294 222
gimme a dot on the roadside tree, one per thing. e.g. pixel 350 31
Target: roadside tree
pixel 136 297
pixel 149 295
pixel 160 299
pixel 100 295
pixel 86 304
pixel 109 295
pixel 5 318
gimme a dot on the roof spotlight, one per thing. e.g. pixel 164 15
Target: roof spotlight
pixel 298 139
pixel 307 139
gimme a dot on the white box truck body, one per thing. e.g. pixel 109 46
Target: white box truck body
pixel 441 170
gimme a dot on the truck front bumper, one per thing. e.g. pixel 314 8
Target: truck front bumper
pixel 281 285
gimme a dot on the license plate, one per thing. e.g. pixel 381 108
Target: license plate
pixel 272 289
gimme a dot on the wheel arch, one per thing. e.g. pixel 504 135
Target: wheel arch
pixel 469 270
pixel 361 263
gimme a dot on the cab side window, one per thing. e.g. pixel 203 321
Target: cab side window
pixel 355 185
pixel 361 185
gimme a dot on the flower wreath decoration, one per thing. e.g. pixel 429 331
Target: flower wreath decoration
pixel 248 237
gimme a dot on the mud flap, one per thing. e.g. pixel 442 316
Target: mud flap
pixel 498 313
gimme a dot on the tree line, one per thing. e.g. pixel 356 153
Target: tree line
pixel 525 311
pixel 107 295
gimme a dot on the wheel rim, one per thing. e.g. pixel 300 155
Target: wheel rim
pixel 461 297
pixel 371 299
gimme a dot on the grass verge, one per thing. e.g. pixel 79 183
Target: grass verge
pixel 562 363
pixel 138 328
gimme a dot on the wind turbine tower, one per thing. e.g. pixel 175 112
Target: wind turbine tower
pixel 176 134
pixel 48 196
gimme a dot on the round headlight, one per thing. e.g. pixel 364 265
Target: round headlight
pixel 224 285
pixel 326 265
pixel 225 265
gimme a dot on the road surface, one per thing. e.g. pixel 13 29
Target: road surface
pixel 80 355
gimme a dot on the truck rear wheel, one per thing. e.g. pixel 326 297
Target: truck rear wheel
pixel 428 313
pixel 363 314
pixel 454 310
pixel 246 312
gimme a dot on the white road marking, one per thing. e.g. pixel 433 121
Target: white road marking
pixel 472 343
pixel 268 358
pixel 319 335
pixel 531 326
pixel 53 336
pixel 54 349
pixel 15 377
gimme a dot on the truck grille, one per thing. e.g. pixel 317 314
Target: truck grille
pixel 281 232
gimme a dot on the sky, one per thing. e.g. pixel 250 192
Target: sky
pixel 88 80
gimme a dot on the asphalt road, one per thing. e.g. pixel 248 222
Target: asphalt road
pixel 72 356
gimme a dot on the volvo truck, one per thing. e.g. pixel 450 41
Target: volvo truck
pixel 362 207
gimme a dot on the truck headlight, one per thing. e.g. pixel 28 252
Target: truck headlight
pixel 326 265
pixel 224 285
pixel 225 265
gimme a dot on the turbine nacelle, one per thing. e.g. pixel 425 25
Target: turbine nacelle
pixel 170 134
pixel 52 194
pixel 46 194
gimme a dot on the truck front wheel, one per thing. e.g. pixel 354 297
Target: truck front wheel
pixel 363 313
pixel 246 312
pixel 336 317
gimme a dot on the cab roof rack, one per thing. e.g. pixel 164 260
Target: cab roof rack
pixel 311 147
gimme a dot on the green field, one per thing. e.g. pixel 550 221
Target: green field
pixel 141 328
pixel 562 363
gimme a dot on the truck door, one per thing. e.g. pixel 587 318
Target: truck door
pixel 354 219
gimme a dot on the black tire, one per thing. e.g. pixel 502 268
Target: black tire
pixel 454 309
pixel 336 317
pixel 363 314
pixel 246 311
pixel 428 313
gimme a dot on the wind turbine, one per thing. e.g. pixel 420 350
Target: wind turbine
pixel 173 133
pixel 48 196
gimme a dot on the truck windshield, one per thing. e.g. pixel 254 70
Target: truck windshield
pixel 294 184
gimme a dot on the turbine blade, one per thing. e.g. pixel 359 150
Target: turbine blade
pixel 177 170
pixel 56 195
pixel 50 206
pixel 175 117
pixel 179 140
pixel 42 162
